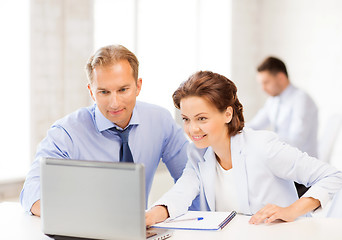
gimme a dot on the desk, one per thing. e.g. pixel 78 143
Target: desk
pixel 17 225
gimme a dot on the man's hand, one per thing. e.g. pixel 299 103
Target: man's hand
pixel 271 212
pixel 155 215
pixel 35 209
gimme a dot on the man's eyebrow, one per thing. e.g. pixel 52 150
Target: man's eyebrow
pixel 101 89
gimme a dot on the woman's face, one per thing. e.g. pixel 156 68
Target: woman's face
pixel 203 122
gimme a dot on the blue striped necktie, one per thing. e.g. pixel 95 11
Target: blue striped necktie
pixel 125 151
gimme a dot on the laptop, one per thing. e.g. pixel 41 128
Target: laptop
pixel 94 200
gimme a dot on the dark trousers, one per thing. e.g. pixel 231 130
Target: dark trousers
pixel 301 189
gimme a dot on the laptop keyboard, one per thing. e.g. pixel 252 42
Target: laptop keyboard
pixel 150 233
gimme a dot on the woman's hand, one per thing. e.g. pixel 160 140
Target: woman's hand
pixel 156 214
pixel 272 212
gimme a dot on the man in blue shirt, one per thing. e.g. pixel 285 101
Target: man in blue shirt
pixel 87 134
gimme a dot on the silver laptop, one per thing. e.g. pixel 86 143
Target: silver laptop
pixel 96 200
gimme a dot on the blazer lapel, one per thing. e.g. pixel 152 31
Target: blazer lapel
pixel 208 173
pixel 239 171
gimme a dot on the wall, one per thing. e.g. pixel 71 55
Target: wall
pixel 61 42
pixel 245 52
pixel 307 35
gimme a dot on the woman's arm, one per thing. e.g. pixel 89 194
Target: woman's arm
pixel 273 212
pixel 156 214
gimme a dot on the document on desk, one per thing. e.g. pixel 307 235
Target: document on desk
pixel 198 220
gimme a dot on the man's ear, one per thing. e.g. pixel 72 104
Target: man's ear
pixel 229 114
pixel 139 83
pixel 91 92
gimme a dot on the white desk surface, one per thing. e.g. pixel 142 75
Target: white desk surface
pixel 17 225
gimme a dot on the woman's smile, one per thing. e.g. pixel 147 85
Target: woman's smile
pixel 198 137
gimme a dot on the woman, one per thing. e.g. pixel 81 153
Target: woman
pixel 236 168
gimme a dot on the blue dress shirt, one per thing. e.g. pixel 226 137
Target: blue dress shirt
pixel 85 135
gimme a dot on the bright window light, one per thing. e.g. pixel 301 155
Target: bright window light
pixel 15 112
pixel 172 40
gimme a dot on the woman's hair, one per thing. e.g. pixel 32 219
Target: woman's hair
pixel 110 55
pixel 216 89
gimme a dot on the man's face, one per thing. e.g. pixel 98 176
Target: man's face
pixel 114 90
pixel 270 83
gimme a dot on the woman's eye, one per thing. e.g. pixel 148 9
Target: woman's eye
pixel 185 119
pixel 202 118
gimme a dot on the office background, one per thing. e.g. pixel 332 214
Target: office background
pixel 46 43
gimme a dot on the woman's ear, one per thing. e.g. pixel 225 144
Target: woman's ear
pixel 229 114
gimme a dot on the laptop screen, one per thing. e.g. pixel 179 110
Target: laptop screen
pixel 100 200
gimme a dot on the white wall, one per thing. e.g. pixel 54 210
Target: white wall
pixel 307 35
pixel 61 43
pixel 245 54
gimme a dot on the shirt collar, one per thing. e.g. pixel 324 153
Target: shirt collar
pixel 288 91
pixel 103 123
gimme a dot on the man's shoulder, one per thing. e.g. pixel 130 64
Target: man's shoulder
pixel 82 117
pixel 298 92
pixel 148 109
pixel 299 95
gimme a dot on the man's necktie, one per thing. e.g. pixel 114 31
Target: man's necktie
pixel 125 152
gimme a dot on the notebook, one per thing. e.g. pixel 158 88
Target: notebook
pixel 96 200
pixel 198 220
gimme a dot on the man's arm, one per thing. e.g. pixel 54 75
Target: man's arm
pixel 35 209
pixel 57 144
pixel 175 150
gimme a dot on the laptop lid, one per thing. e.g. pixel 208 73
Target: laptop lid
pixel 100 200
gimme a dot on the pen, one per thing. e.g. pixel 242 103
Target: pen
pixel 186 219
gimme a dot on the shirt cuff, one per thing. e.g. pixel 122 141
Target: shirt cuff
pixel 318 194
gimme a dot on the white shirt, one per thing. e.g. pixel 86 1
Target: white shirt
pixel 225 191
pixel 293 115
pixel 264 170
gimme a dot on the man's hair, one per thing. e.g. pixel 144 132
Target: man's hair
pixel 273 65
pixel 109 55
pixel 216 89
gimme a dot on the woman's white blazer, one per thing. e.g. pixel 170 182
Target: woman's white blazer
pixel 264 169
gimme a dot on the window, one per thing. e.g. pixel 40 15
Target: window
pixel 172 40
pixel 14 62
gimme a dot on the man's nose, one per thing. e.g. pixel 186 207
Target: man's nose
pixel 114 101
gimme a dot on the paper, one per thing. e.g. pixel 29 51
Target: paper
pixel 211 221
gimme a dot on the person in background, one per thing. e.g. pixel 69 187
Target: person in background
pixel 100 132
pixel 289 111
pixel 233 167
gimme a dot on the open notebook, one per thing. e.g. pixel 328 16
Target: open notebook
pixel 209 221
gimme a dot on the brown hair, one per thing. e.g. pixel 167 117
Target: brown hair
pixel 218 90
pixel 273 65
pixel 110 55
